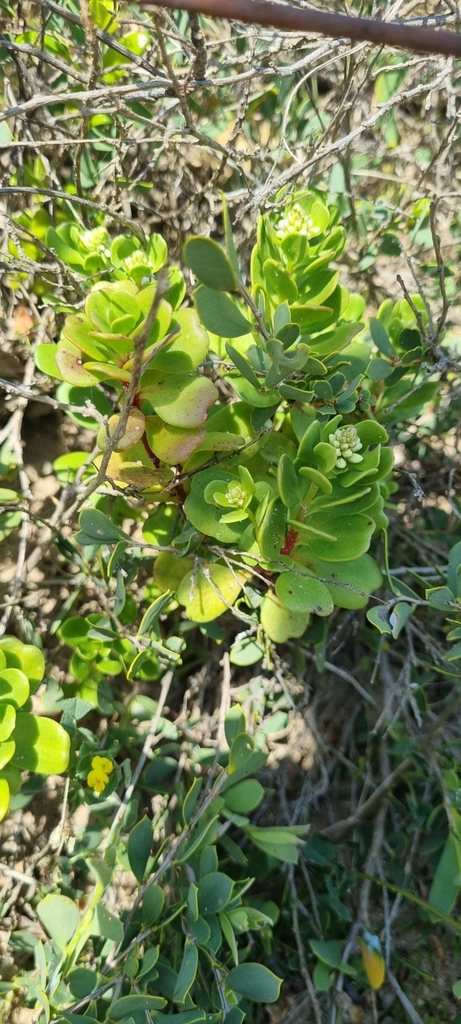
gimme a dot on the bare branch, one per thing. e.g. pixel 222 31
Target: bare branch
pixel 292 19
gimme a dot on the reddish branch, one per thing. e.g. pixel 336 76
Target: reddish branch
pixel 340 26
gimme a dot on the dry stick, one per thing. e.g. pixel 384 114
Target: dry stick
pixel 83 96
pixel 310 988
pixel 54 193
pixel 13 429
pixel 291 19
pixel 404 1000
pixel 33 51
pixel 341 829
pixel 148 744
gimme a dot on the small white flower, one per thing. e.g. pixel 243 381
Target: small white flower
pixel 347 443
pixel 136 259
pixel 95 240
pixel 295 222
pixel 236 496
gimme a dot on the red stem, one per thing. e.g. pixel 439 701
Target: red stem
pixel 291 539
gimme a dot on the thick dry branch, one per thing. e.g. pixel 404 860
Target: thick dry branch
pixel 339 26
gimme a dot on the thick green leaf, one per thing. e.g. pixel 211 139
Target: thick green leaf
pixel 45 360
pixel 209 592
pixel 349 583
pixel 187 350
pixel 207 518
pixel 106 924
pixel 60 916
pixel 181 400
pixel 241 363
pixel 220 314
pixel 300 593
pixel 210 264
pixel 14 687
pixel 155 609
pixel 214 892
pixel 98 528
pixel 255 982
pixel 279 623
pixel 244 758
pixel 7 721
pixel 379 617
pixel 70 367
pixel 170 444
pixel 279 281
pixel 259 397
pixel 26 657
pixel 7 749
pixel 353 534
pixel 381 338
pixel 4 797
pixel 322 977
pixel 42 745
pixel 246 651
pixel 82 982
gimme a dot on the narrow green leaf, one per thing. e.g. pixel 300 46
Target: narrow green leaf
pixel 128 1005
pixel 444 892
pixel 154 610
pixel 381 338
pixel 242 365
pixel 288 482
pixel 187 972
pixel 234 723
pixel 139 847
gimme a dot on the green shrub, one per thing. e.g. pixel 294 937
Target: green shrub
pixel 264 497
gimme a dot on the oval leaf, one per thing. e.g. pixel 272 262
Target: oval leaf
pixel 60 916
pixel 255 982
pixel 139 847
pixel 219 314
pixel 42 745
pixel 303 593
pixel 209 263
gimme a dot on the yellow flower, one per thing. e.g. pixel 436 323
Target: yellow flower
pixel 99 776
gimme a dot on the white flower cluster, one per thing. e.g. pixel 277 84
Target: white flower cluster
pixel 295 222
pixel 136 259
pixel 347 443
pixel 236 496
pixel 95 240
